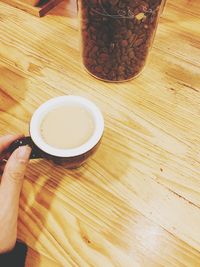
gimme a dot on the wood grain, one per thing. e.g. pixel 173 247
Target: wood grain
pixel 137 202
pixel 32 6
pixel 34 259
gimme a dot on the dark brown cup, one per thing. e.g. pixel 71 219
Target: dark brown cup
pixel 69 158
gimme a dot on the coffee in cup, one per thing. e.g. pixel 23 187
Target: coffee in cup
pixel 67 126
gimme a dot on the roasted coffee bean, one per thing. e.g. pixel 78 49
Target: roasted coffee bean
pixel 117 36
pixel 131 54
pixel 98 69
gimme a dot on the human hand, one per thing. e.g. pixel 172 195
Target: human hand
pixel 10 189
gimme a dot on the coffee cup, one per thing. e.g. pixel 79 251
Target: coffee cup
pixel 86 138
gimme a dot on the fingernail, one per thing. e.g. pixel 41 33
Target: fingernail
pixel 23 153
pixel 9 135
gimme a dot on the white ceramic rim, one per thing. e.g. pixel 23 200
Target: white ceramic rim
pixel 41 112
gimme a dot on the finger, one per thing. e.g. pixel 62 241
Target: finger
pixel 6 140
pixel 13 176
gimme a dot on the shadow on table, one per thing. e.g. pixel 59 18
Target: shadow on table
pixel 67 8
pixel 45 178
pixel 93 181
pixel 11 84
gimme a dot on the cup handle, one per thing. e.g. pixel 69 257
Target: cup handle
pixel 35 154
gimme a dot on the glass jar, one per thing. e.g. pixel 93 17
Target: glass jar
pixel 117 36
pixel 163 5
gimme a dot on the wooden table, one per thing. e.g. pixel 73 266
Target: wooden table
pixel 137 202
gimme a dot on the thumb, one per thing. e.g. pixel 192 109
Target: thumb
pixel 13 177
